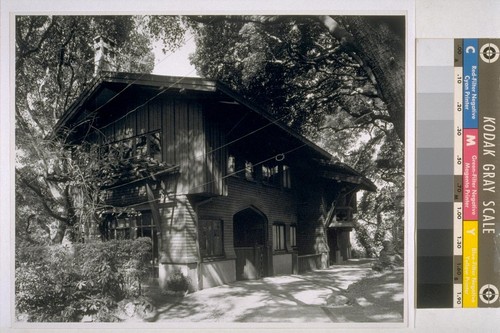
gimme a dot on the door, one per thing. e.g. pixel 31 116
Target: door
pixel 250 244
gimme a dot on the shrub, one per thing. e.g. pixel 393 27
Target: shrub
pixel 65 283
pixel 177 282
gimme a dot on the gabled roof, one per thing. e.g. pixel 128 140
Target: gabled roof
pixel 169 83
pixel 98 93
pixel 97 86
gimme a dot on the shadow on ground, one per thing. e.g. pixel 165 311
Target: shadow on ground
pixel 293 298
pixel 378 298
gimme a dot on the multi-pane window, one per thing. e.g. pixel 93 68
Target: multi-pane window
pixel 270 174
pixel 123 227
pixel 211 238
pixel 278 237
pixel 146 145
pixel 119 228
pixel 145 227
pixel 132 227
pixel 293 236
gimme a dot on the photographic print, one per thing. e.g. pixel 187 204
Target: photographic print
pixel 210 168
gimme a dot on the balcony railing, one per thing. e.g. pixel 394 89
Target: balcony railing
pixel 343 217
pixel 343 213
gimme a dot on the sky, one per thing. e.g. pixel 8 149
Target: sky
pixel 175 63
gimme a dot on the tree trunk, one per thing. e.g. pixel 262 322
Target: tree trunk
pixel 383 55
pixel 60 232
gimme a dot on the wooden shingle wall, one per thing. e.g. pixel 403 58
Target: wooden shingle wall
pixel 278 205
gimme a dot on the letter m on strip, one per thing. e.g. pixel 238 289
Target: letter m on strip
pixel 470 140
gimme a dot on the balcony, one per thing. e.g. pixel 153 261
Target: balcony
pixel 343 217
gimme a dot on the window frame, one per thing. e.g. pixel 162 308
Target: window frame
pixel 130 147
pixel 293 236
pixel 132 227
pixel 206 238
pixel 286 177
pixel 279 237
pixel 275 174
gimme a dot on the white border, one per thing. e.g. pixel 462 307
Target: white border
pixel 334 7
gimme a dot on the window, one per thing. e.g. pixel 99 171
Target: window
pixel 231 164
pixel 210 238
pixel 148 145
pixel 248 170
pixel 278 237
pixel 122 227
pixel 286 181
pixel 119 228
pixel 142 146
pixel 131 227
pixel 145 227
pixel 270 174
pixel 293 236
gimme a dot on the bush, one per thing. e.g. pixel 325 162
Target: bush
pixel 177 282
pixel 388 258
pixel 65 283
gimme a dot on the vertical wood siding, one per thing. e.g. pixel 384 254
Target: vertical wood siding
pixel 186 140
pixel 215 157
pixel 142 120
pixel 196 146
pixel 181 144
pixel 154 110
pixel 169 132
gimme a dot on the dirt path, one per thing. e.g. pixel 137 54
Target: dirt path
pixel 344 293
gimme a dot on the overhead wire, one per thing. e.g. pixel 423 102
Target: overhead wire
pixel 205 153
pixel 206 183
pixel 280 155
pixel 166 89
pixel 215 149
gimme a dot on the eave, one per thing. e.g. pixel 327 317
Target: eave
pixel 341 172
pixel 327 168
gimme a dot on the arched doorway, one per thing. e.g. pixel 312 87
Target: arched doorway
pixel 250 244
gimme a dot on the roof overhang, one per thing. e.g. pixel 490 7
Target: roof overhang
pixel 100 92
pixel 109 85
pixel 340 172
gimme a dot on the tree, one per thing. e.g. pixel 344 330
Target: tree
pixel 339 81
pixel 54 64
pixel 378 46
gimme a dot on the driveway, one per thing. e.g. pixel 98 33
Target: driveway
pixel 321 296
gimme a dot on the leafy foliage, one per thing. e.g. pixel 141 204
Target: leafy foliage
pixel 177 282
pixel 56 196
pixel 64 283
pixel 339 81
pixel 326 83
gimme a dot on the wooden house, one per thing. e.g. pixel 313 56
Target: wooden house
pixel 236 194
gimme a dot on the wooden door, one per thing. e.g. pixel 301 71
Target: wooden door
pixel 250 244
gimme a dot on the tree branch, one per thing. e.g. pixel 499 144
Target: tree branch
pixel 42 197
pixel 23 46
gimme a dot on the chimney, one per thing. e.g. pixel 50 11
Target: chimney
pixel 104 55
